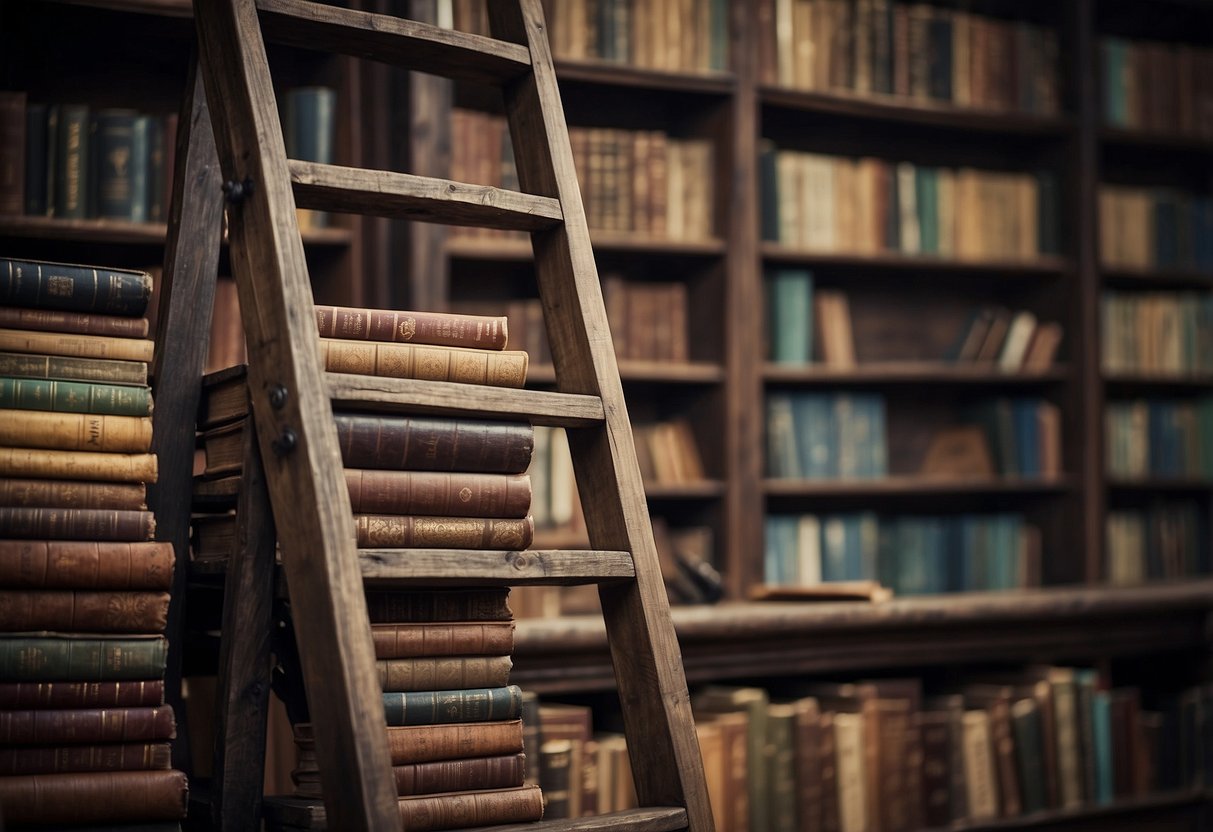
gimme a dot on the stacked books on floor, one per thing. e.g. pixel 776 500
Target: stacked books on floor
pixel 84 589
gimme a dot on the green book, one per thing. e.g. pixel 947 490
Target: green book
pixel 55 659
pixel 32 365
pixel 753 702
pixel 114 156
pixel 1029 754
pixel 74 288
pixel 72 162
pixel 75 397
pixel 790 292
pixel 781 766
pixel 718 45
pixel 926 183
pixel 439 706
pixel 141 159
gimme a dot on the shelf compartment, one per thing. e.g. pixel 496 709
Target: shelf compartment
pixel 894 261
pixel 610 73
pixel 909 372
pixel 1086 816
pixel 613 242
pixel 705 490
pixel 1148 277
pixel 1135 139
pixel 1156 383
pixel 1162 484
pixel 430 567
pixel 910 485
pixel 119 232
pixel 648 372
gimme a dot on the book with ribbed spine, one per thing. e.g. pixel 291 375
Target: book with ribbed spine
pixel 423 443
pixel 371 358
pixel 75 396
pixel 439 605
pixel 83 611
pixel 63 564
pixel 74 288
pixel 436 328
pixel 76 524
pixel 81 323
pixel 429 707
pixel 375 531
pixel 439 493
pixel 122 694
pixel 54 659
pixel 75 431
pixel 120 797
pixel 77 465
pixel 94 725
pixel 76 346
pixel 30 365
pixel 450 741
pixel 499 772
pixel 443 673
pixel 134 756
pixel 460 638
pixel 18 491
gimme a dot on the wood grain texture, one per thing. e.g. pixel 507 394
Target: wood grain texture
pixel 424 198
pixel 470 567
pixel 667 766
pixel 407 44
pixel 275 298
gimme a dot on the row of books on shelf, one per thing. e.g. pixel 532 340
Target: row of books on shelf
pixel 1161 541
pixel 1156 86
pixel 914 51
pixel 1155 332
pixel 911 555
pixel 1155 228
pixel 1159 438
pixel 867 206
pixel 84 589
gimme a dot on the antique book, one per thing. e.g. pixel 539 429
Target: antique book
pixel 556 777
pixel 76 346
pixel 74 288
pixel 780 762
pixel 936 731
pixel 49 759
pixel 77 465
pixel 81 659
pixel 16 491
pixel 981 777
pixel 437 328
pixel 94 797
pixel 852 778
pixel 64 564
pixel 807 749
pixel 83 611
pixel 81 323
pixel 500 772
pixel 388 531
pixel 458 810
pixel 76 524
pixel 459 638
pixel 124 694
pixel 95 725
pixel 429 743
pixel 75 396
pixel 444 673
pixel 434 444
pixel 427 707
pixel 438 493
pixel 30 365
pixel 496 368
pixel 75 431
pixel 438 605
pixel 752 702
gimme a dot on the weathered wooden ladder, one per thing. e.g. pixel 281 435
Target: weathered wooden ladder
pixel 292 400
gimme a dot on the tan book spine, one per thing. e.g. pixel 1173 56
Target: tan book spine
pixel 386 531
pixel 66 494
pixel 443 673
pixel 459 810
pixel 83 611
pixel 497 369
pixel 980 779
pixel 852 800
pixel 94 798
pixel 77 465
pixel 75 431
pixel 436 328
pixel 80 758
pixel 438 493
pixel 450 741
pixel 80 323
pixel 76 524
pixel 93 725
pixel 68 564
pixel 76 346
pixel 468 638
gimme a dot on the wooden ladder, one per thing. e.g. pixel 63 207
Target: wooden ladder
pixel 292 399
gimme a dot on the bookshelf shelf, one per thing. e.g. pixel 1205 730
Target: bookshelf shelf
pixel 1156 383
pixel 514 250
pixel 646 372
pixel 912 486
pixel 1040 267
pixel 910 372
pixel 618 74
pixel 1089 816
pixel 1161 484
pixel 706 490
pixel 118 232
pixel 1143 278
pixel 1131 139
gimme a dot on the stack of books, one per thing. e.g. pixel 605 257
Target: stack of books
pixel 84 731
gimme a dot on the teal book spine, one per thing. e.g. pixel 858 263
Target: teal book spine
pixel 1029 754
pixel 718 46
pixel 75 397
pixel 141 159
pixel 768 189
pixel 791 316
pixel 157 173
pixel 926 182
pixel 74 288
pixel 471 705
pixel 779 549
pixel 113 138
pixel 1101 716
pixel 37 203
pixel 784 457
pixel 46 659
pixel 1115 103
pixel 72 162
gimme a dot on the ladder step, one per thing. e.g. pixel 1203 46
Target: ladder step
pixel 407 196
pixel 404 43
pixel 446 398
pixel 472 567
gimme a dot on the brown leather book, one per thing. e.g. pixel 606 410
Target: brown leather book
pixel 500 772
pixel 135 756
pixel 94 725
pixel 420 443
pixel 94 797
pixel 431 743
pixel 439 328
pixel 80 564
pixel 439 493
pixel 462 638
pixel 83 611
pixel 371 358
pixel 458 810
pixel 439 605
pixel 390 531
pixel 77 524
pixel 444 673
pixel 935 729
pixel 133 694
pixel 75 431
pixel 77 465
pixel 65 494
pixel 80 323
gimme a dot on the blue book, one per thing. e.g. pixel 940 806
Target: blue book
pixel 441 706
pixel 888 548
pixel 833 548
pixel 869 545
pixel 1202 232
pixel 1166 229
pixel 1101 723
pixel 779 549
pixel 912 566
pixel 790 295
pixel 783 452
pixel 816 434
pixel 878 446
pixel 935 556
pixel 1116 111
pixel 1025 417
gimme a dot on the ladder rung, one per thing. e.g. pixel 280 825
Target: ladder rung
pixel 404 43
pixel 553 567
pixel 407 196
pixel 541 407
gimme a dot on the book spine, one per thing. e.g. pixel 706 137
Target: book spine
pixel 114 141
pixel 83 611
pixel 448 673
pixel 79 323
pixel 74 396
pixel 393 531
pixel 73 288
pixel 93 798
pixel 451 605
pixel 65 494
pixel 469 705
pixel 434 328
pixel 81 660
pixel 127 694
pixel 75 431
pixel 12 152
pixel 29 365
pixel 79 758
pixel 77 524
pixel 36 202
pixel 71 164
pixel 499 772
pixel 140 162
pixel 555 772
pixel 439 493
pixel 77 465
pixel 419 443
pixel 402 641
pixel 457 811
pixel 497 369
pixel 59 564
pixel 454 741
pixel 77 346
pixel 124 725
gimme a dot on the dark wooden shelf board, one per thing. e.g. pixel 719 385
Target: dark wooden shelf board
pixel 909 372
pixel 164 8
pixel 649 372
pixel 910 485
pixel 1160 278
pixel 1039 267
pixel 917 113
pixel 120 232
pixel 1160 484
pixel 493 568
pixel 776 639
pixel 1134 139
pixel 705 490
pixel 516 250
pixel 1087 815
pixel 1157 381
pixel 610 73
